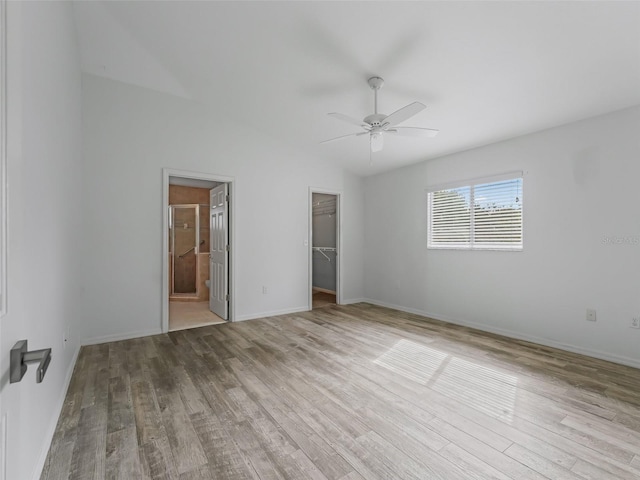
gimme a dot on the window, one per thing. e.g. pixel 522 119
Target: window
pixel 485 214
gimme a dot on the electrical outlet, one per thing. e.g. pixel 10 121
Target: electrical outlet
pixel 591 315
pixel 264 290
pixel 635 322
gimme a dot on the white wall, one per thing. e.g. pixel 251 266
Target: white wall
pixel 44 221
pixel 352 227
pixel 580 188
pixel 130 134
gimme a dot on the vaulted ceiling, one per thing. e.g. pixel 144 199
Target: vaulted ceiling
pixel 487 71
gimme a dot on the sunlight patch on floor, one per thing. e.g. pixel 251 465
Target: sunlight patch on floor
pixel 483 388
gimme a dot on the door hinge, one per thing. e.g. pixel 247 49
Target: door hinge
pixel 226 297
pixel 227 248
pixel 227 197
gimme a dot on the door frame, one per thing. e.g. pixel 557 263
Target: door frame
pixel 170 172
pixel 3 163
pixel 339 264
pixel 3 208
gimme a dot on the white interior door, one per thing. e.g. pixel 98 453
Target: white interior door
pixel 219 251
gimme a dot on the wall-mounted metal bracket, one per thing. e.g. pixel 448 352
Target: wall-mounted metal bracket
pixel 20 357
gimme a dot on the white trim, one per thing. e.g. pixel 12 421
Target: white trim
pixel 3 158
pixel 351 301
pixel 630 362
pixel 339 262
pixel 273 313
pixel 476 181
pixel 120 336
pixel 51 430
pixel 3 447
pixel 170 172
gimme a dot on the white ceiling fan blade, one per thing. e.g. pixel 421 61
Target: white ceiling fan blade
pixel 404 113
pixel 341 137
pixel 348 119
pixel 377 142
pixel 414 132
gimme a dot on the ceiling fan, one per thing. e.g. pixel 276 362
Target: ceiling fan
pixel 377 124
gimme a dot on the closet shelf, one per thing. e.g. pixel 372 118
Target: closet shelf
pixel 325 249
pixel 324 212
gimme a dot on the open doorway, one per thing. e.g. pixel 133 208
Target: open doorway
pixel 325 245
pixel 196 260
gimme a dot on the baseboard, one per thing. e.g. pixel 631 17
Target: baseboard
pixel 273 313
pixel 118 337
pixel 350 301
pixel 396 307
pixel 37 472
pixel 630 362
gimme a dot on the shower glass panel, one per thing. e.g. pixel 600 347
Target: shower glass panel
pixel 184 231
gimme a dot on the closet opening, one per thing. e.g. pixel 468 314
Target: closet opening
pixel 325 249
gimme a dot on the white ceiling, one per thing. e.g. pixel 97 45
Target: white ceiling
pixel 487 71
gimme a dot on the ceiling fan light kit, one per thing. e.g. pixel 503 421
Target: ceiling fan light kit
pixel 377 142
pixel 377 124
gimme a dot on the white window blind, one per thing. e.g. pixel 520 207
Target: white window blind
pixel 485 214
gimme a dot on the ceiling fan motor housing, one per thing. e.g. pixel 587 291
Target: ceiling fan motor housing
pixel 375 120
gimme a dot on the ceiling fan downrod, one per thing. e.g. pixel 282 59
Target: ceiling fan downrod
pixel 376 84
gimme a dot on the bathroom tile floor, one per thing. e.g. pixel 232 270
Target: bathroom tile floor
pixel 183 315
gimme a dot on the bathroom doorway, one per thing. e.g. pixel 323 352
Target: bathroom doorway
pixel 325 246
pixel 188 238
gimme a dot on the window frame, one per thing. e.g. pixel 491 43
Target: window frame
pixel 471 245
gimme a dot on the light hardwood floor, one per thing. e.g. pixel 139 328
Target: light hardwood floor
pixel 345 392
pixel 322 299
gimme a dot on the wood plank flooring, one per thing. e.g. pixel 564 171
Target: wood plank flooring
pixel 344 393
pixel 322 299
